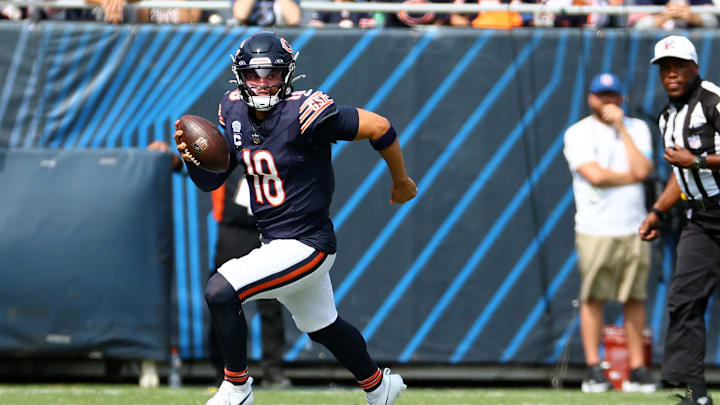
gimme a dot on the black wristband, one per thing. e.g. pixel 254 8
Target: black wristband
pixel 657 212
pixel 385 140
pixel 703 162
pixel 695 165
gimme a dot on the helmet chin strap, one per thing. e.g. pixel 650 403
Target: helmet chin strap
pixel 263 103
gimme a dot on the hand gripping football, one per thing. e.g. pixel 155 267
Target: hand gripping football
pixel 205 144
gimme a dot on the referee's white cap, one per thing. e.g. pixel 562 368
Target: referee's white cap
pixel 675 46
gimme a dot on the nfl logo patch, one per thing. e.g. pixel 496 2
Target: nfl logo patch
pixel 695 142
pixel 200 145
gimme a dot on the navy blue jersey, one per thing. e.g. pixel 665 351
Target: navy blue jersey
pixel 286 158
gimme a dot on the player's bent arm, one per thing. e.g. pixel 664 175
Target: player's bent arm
pixel 598 176
pixel 403 188
pixel 382 136
pixel 203 179
pixel 370 125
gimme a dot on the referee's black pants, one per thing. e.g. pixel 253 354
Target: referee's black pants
pixel 696 273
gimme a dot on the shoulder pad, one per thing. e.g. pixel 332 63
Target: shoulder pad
pixel 312 108
pixel 297 95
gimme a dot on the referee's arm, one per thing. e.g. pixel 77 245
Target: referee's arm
pixel 670 196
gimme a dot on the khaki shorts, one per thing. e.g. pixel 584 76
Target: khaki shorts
pixel 613 267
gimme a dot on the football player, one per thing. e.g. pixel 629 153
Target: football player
pixel 282 138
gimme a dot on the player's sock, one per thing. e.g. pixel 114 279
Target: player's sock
pixel 348 346
pixel 236 377
pixel 372 383
pixel 230 327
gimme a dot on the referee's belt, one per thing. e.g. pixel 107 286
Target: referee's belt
pixel 705 204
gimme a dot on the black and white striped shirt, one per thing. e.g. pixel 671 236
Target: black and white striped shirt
pixel 695 125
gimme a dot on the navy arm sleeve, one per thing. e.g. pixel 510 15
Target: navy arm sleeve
pixel 209 181
pixel 340 126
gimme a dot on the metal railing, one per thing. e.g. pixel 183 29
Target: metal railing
pixel 310 5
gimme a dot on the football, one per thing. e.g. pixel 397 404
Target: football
pixel 205 143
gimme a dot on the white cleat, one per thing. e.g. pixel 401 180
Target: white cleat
pixel 633 386
pixel 388 391
pixel 230 394
pixel 595 386
pixel 640 381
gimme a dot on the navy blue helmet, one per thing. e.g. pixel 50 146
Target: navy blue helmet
pixel 263 67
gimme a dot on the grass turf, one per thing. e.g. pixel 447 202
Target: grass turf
pixel 103 394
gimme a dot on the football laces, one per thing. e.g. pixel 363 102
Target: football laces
pixel 191 157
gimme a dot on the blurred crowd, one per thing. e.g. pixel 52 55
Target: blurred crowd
pixel 264 13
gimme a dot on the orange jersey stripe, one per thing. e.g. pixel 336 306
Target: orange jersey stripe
pixel 307 102
pixel 289 276
pixel 305 114
pixel 314 116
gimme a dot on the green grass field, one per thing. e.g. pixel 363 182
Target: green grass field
pixel 103 394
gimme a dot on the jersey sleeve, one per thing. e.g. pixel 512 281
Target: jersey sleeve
pixel 341 126
pixel 314 110
pixel 577 149
pixel 209 181
pixel 224 105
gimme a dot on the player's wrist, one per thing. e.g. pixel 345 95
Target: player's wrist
pixel 402 180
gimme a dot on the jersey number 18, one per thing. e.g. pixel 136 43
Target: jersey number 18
pixel 266 182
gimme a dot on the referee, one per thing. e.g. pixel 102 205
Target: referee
pixel 689 124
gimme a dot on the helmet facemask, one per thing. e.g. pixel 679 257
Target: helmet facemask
pixel 263 85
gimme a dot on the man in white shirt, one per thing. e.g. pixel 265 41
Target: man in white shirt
pixel 609 157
